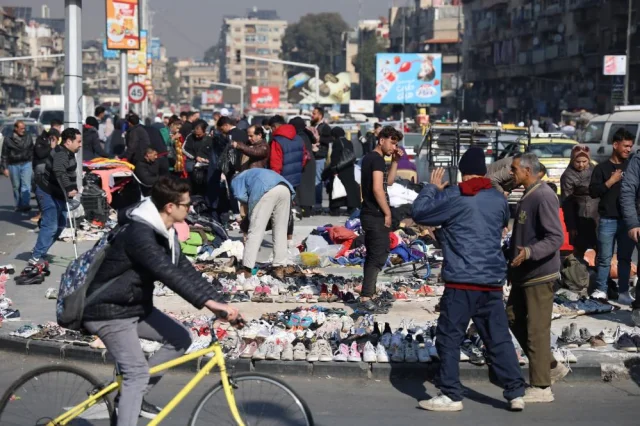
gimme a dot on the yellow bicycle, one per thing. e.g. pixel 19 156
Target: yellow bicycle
pixel 65 395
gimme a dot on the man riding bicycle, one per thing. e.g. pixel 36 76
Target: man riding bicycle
pixel 122 310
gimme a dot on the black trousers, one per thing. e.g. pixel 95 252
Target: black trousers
pixel 376 241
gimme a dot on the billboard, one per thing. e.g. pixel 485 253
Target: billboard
pixel 137 59
pixel 154 49
pixel 409 78
pixel 265 97
pixel 334 88
pixel 123 24
pixel 615 65
pixel 210 97
pixel 109 54
pixel 361 106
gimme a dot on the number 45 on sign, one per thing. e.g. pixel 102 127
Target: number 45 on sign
pixel 137 93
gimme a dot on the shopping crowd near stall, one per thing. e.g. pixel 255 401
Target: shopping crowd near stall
pixel 162 198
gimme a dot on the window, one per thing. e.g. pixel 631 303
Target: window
pixel 552 150
pixel 47 116
pixel 237 72
pixel 631 128
pixel 593 133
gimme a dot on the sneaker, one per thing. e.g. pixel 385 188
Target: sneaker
pixel 299 352
pixel 261 353
pixel 342 354
pixel 625 299
pixel 324 351
pixel 397 353
pixel 600 296
pixel 385 340
pixel 148 410
pixel 431 347
pixel 410 352
pixel 516 404
pixel 608 335
pixel 463 356
pixel 473 353
pixel 354 354
pixel 534 394
pixel 314 353
pixel 559 372
pixel 249 350
pixel 9 315
pixel 369 353
pixel 381 354
pixel 287 353
pixel 441 403
pixel 625 343
pixel 423 354
pixel 273 351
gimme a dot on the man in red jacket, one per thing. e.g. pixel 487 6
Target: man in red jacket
pixel 288 155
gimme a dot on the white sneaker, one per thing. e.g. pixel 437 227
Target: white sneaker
pixel 608 335
pixel 314 353
pixel 599 295
pixel 625 299
pixel 381 354
pixel 569 356
pixel 463 357
pixel 534 394
pixel 517 404
pixel 423 354
pixel 287 352
pixel 324 351
pixel 347 323
pixel 299 352
pixel 354 354
pixel 261 353
pixel 250 284
pixel 558 355
pixel 410 352
pixel 342 354
pixel 441 403
pixel 273 351
pixel 369 353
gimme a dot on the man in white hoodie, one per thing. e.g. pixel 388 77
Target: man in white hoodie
pixel 122 309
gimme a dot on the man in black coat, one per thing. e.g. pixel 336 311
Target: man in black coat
pixel 93 146
pixel 136 140
pixel 148 171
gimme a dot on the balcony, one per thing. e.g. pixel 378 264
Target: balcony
pixel 581 4
pixel 538 55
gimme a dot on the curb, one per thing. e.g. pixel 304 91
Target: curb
pixel 605 369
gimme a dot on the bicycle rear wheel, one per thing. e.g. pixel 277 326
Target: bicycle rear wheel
pixel 45 393
pixel 261 400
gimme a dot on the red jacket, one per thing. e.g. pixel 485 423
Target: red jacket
pixel 275 156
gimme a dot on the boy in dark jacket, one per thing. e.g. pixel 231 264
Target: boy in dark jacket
pixel 93 146
pixel 148 171
pixel 473 216
pixel 535 266
pixel 147 251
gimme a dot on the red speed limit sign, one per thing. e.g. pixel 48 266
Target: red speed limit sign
pixel 137 93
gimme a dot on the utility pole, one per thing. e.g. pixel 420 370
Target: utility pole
pixel 73 72
pixel 360 52
pixel 458 82
pixel 628 52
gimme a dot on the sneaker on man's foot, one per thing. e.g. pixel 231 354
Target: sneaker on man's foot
pixel 559 372
pixel 517 404
pixel 600 296
pixel 625 299
pixel 534 394
pixel 148 410
pixel 441 403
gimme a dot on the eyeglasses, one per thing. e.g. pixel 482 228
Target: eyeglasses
pixel 581 148
pixel 187 205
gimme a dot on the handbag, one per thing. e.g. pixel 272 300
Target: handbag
pixel 337 189
pixel 347 158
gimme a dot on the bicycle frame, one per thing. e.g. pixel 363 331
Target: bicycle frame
pixel 216 360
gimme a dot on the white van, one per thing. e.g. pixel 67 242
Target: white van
pixel 598 134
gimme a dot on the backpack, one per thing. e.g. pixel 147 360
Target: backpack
pixel 75 282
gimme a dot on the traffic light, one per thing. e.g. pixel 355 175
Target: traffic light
pixel 238 56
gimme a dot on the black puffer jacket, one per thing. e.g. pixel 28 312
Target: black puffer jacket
pixel 139 256
pixel 17 149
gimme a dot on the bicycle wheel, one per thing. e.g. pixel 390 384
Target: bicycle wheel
pixel 407 268
pixel 45 393
pixel 261 400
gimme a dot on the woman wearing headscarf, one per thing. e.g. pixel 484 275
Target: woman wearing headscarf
pixel 306 191
pixel 579 209
pixel 341 164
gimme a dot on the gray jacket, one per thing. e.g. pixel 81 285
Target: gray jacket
pixel 576 201
pixel 630 193
pixel 500 174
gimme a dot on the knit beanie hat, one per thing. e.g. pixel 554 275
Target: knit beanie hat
pixel 473 162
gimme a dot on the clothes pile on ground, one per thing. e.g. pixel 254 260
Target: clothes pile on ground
pixel 7 311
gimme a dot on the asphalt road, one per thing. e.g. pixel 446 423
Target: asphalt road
pixel 14 227
pixel 369 403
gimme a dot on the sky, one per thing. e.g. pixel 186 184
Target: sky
pixel 187 28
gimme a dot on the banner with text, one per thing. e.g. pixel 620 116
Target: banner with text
pixel 154 49
pixel 333 88
pixel 137 59
pixel 123 24
pixel 265 97
pixel 411 78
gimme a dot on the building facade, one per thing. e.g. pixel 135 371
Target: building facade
pixel 195 78
pixel 259 34
pixel 536 58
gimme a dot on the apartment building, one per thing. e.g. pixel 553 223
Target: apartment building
pixel 353 39
pixel 536 58
pixel 17 78
pixel 44 41
pixel 433 26
pixel 195 78
pixel 258 34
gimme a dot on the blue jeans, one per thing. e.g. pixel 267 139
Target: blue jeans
pixel 486 309
pixel 319 170
pixel 21 180
pixel 610 231
pixel 52 223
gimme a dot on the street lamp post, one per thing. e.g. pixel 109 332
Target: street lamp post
pixel 73 71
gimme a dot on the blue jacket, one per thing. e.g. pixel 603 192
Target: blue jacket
pixel 292 148
pixel 471 230
pixel 630 193
pixel 250 185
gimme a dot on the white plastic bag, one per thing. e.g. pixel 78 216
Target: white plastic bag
pixel 338 190
pixel 315 242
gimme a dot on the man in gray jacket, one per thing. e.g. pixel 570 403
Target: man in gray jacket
pixel 535 266
pixel 630 206
pixel 16 157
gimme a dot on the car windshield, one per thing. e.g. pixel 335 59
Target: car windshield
pixel 593 133
pixel 47 116
pixel 552 150
pixel 34 113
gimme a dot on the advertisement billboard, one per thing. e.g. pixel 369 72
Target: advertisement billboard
pixel 334 88
pixel 154 49
pixel 211 97
pixel 123 24
pixel 615 65
pixel 109 54
pixel 137 59
pixel 361 106
pixel 265 97
pixel 409 78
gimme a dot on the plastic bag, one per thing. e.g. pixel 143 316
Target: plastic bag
pixel 337 189
pixel 314 242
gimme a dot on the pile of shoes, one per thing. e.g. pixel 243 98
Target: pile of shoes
pixel 33 274
pixel 6 312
